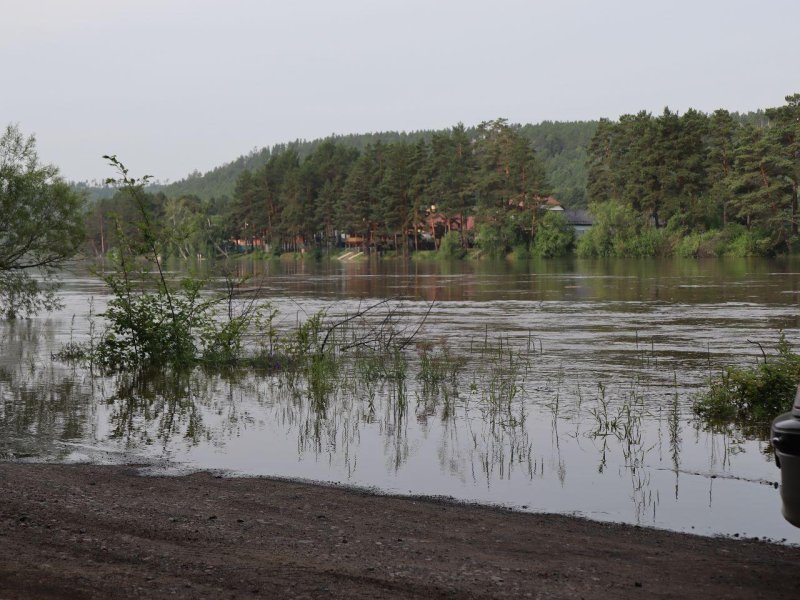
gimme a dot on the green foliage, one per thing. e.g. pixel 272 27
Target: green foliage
pixel 554 236
pixel 450 248
pixel 752 395
pixel 698 244
pixel 649 242
pixel 749 243
pixel 703 172
pixel 149 328
pixel 619 231
pixel 615 225
pixel 490 240
pixel 734 240
pixel 152 321
pixel 41 226
pixel 521 252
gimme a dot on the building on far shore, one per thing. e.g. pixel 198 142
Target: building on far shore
pixel 580 219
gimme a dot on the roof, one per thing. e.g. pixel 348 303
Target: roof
pixel 578 217
pixel 550 201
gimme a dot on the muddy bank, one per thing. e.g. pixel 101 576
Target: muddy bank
pixel 83 531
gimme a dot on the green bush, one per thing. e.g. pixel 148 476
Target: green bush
pixel 649 242
pixel 689 245
pixel 521 252
pixel 450 247
pixel 752 395
pixel 152 321
pixel 490 240
pixel 554 236
pixel 748 242
pixel 614 224
pixel 619 231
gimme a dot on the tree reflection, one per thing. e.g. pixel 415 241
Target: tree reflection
pixel 40 407
pixel 493 414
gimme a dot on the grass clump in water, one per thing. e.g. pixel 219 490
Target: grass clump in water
pixel 751 395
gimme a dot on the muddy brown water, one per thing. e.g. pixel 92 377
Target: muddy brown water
pixel 600 424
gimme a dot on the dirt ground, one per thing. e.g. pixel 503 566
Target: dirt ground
pixel 83 531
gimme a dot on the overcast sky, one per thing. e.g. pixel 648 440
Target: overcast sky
pixel 176 85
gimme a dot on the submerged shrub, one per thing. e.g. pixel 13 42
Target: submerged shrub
pixel 451 248
pixel 151 321
pixel 749 242
pixel 554 236
pixel 699 245
pixel 751 395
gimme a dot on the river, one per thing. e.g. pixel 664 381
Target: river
pixel 599 423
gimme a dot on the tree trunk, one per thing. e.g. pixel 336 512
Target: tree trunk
pixel 414 227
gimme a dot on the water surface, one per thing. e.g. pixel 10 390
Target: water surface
pixel 620 341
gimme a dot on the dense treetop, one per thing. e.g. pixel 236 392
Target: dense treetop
pixel 560 146
pixel 695 173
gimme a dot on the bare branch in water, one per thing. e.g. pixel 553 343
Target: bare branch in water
pixel 760 347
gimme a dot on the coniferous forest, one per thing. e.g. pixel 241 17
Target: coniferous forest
pixel 691 184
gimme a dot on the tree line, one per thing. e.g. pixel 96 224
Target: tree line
pixel 691 184
pixel 561 147
pixel 696 183
pixel 395 195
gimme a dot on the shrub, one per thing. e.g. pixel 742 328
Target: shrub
pixel 687 246
pixel 490 240
pixel 614 224
pixel 748 242
pixel 752 395
pixel 450 247
pixel 154 322
pixel 554 236
pixel 649 242
pixel 521 252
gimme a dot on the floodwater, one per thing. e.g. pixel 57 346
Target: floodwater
pixel 599 422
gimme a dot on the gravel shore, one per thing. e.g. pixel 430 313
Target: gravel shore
pixel 86 531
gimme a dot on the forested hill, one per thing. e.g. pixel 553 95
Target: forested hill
pixel 221 181
pixel 560 146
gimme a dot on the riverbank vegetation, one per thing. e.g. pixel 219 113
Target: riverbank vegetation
pixel 691 185
pixel 41 226
pixel 695 184
pixel 151 320
pixel 399 196
pixel 754 395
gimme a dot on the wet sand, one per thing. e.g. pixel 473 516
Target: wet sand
pixel 85 531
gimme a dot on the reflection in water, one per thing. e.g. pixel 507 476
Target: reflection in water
pixel 480 415
pixel 42 404
pixel 563 387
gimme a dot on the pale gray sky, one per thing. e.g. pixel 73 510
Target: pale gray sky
pixel 176 85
